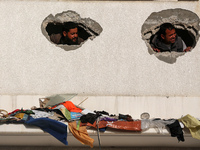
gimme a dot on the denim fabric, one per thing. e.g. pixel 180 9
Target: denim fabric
pixel 53 127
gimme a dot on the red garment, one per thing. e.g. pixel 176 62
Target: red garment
pixel 16 110
pixel 122 125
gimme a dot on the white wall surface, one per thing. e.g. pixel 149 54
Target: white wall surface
pixel 157 107
pixel 115 63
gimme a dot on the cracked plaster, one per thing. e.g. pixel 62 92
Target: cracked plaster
pixel 181 19
pixel 90 26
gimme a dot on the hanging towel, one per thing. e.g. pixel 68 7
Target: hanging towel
pixel 81 134
pixel 53 127
pixel 192 124
pixel 176 130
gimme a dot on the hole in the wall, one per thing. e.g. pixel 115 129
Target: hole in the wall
pixel 56 33
pixel 186 26
pixel 68 30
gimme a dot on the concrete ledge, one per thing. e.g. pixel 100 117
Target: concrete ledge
pixel 36 137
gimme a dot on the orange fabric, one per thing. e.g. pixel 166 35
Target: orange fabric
pixel 70 106
pixel 122 125
pixel 81 134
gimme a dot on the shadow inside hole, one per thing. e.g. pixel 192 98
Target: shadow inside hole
pixel 187 37
pixel 53 28
pixel 57 28
pixel 82 33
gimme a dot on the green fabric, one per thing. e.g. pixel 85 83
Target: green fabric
pixel 57 99
pixel 66 113
pixel 26 111
pixel 78 124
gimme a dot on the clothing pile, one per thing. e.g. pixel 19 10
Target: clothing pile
pixel 55 113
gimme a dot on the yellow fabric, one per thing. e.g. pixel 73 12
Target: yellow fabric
pixel 192 124
pixel 19 115
pixel 81 134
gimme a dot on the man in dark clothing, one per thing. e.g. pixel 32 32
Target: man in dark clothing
pixel 168 40
pixel 69 35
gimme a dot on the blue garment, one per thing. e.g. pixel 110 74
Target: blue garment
pixel 53 127
pixel 75 115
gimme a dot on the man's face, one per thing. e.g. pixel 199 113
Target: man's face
pixel 72 34
pixel 170 36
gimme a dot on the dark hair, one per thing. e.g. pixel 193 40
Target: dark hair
pixel 69 25
pixel 163 28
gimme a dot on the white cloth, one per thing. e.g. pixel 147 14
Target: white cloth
pixel 41 114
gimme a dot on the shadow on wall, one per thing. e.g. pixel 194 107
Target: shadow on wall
pixel 68 30
pixel 166 45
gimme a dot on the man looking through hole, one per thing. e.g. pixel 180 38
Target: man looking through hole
pixel 168 40
pixel 68 36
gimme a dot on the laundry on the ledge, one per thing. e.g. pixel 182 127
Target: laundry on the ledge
pixel 57 110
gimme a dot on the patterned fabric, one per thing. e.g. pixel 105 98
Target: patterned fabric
pixel 66 113
pixel 121 125
pixel 75 115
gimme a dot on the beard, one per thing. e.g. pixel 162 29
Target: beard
pixel 68 41
pixel 75 40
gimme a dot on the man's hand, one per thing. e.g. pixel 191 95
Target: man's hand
pixel 187 49
pixel 155 49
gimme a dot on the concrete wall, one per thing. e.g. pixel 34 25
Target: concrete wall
pixel 115 63
pixel 115 69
